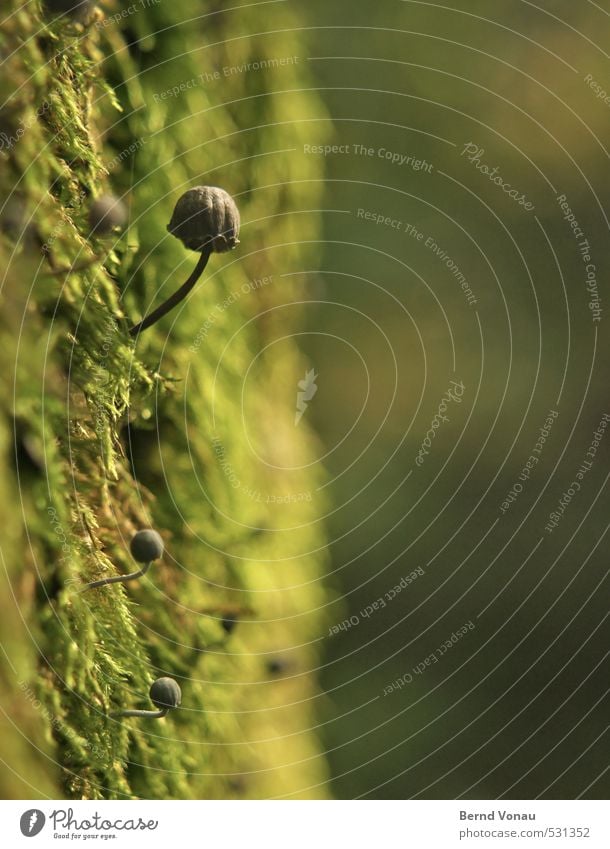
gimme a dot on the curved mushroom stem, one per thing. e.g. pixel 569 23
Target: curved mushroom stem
pixel 174 299
pixel 116 579
pixel 148 714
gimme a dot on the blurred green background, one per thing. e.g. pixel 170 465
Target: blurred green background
pixel 519 705
pixel 358 140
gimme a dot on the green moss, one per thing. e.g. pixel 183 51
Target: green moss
pixel 99 437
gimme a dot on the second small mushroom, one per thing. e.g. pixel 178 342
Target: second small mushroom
pixel 165 694
pixel 206 220
pixel 145 546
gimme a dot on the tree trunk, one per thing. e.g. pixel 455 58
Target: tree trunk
pixel 190 429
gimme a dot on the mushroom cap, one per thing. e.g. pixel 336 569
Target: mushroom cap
pixel 146 545
pixel 165 693
pixel 205 218
pixel 106 213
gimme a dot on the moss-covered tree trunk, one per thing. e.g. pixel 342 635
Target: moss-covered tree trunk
pixel 191 430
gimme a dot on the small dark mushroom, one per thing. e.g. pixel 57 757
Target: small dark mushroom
pixel 106 214
pixel 78 10
pixel 206 220
pixel 278 666
pixel 13 217
pixel 206 217
pixel 145 547
pixel 165 694
pixel 229 623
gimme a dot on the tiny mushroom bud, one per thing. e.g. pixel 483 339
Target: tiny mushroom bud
pixel 206 220
pixel 145 547
pixel 165 694
pixel 78 10
pixel 13 216
pixel 278 666
pixel 229 622
pixel 106 214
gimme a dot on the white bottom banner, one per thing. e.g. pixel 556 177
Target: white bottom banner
pixel 299 825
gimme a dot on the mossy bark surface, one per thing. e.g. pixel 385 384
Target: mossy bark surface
pixel 188 430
